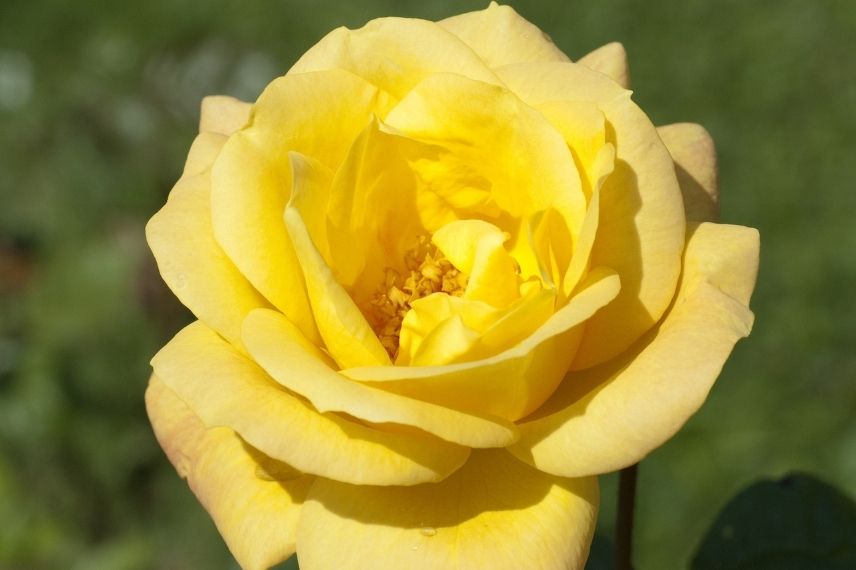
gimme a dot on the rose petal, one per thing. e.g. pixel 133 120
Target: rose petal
pixel 394 54
pixel 490 130
pixel 449 341
pixel 493 513
pixel 476 248
pixel 317 115
pixel 279 348
pixel 254 508
pixel 223 115
pixel 500 36
pixel 347 335
pixel 204 150
pixel 192 263
pixel 611 416
pixel 693 151
pixel 611 60
pixel 641 228
pixel 226 389
pixel 510 384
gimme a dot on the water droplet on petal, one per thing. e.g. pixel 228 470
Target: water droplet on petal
pixel 428 531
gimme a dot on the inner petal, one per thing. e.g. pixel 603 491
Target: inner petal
pixel 426 271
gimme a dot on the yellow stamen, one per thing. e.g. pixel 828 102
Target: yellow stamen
pixel 427 272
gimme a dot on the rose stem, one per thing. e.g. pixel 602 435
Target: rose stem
pixel 624 520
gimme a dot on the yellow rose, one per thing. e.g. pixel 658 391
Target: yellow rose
pixel 444 277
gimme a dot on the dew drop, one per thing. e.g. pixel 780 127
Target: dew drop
pixel 415 547
pixel 428 531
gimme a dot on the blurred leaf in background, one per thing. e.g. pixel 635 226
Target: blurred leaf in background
pixel 98 106
pixel 794 523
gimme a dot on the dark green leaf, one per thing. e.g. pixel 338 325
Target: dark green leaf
pixel 795 523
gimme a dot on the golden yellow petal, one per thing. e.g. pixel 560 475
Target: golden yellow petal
pixel 641 227
pixel 280 349
pixel 611 416
pixel 497 139
pixel 494 513
pixel 346 333
pixel 394 54
pixel 476 248
pixel 316 115
pixel 224 388
pixel 510 384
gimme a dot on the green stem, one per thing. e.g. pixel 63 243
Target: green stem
pixel 624 520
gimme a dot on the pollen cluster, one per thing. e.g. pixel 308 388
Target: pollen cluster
pixel 427 271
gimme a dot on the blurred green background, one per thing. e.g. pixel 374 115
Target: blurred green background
pixel 98 106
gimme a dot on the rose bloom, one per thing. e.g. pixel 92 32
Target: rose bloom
pixel 443 277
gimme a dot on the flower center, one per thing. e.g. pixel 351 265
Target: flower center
pixel 427 271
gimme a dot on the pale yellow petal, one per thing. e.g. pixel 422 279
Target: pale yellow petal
pixel 641 227
pixel 310 195
pixel 494 513
pixel 223 115
pixel 611 60
pixel 224 388
pixel 347 335
pixel 510 384
pixel 204 150
pixel 192 263
pixel 254 501
pixel 500 36
pixel 611 416
pixel 692 148
pixel 724 255
pixel 394 54
pixel 317 115
pixel 281 350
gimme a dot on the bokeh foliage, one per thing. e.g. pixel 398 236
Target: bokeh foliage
pixel 98 105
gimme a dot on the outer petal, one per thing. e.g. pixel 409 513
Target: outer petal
pixel 204 150
pixel 692 149
pixel 510 384
pixel 611 60
pixel 223 115
pixel 280 349
pixel 193 265
pixel 493 513
pixel 254 508
pixel 641 227
pixel 611 416
pixel 394 54
pixel 317 115
pixel 226 389
pixel 500 36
